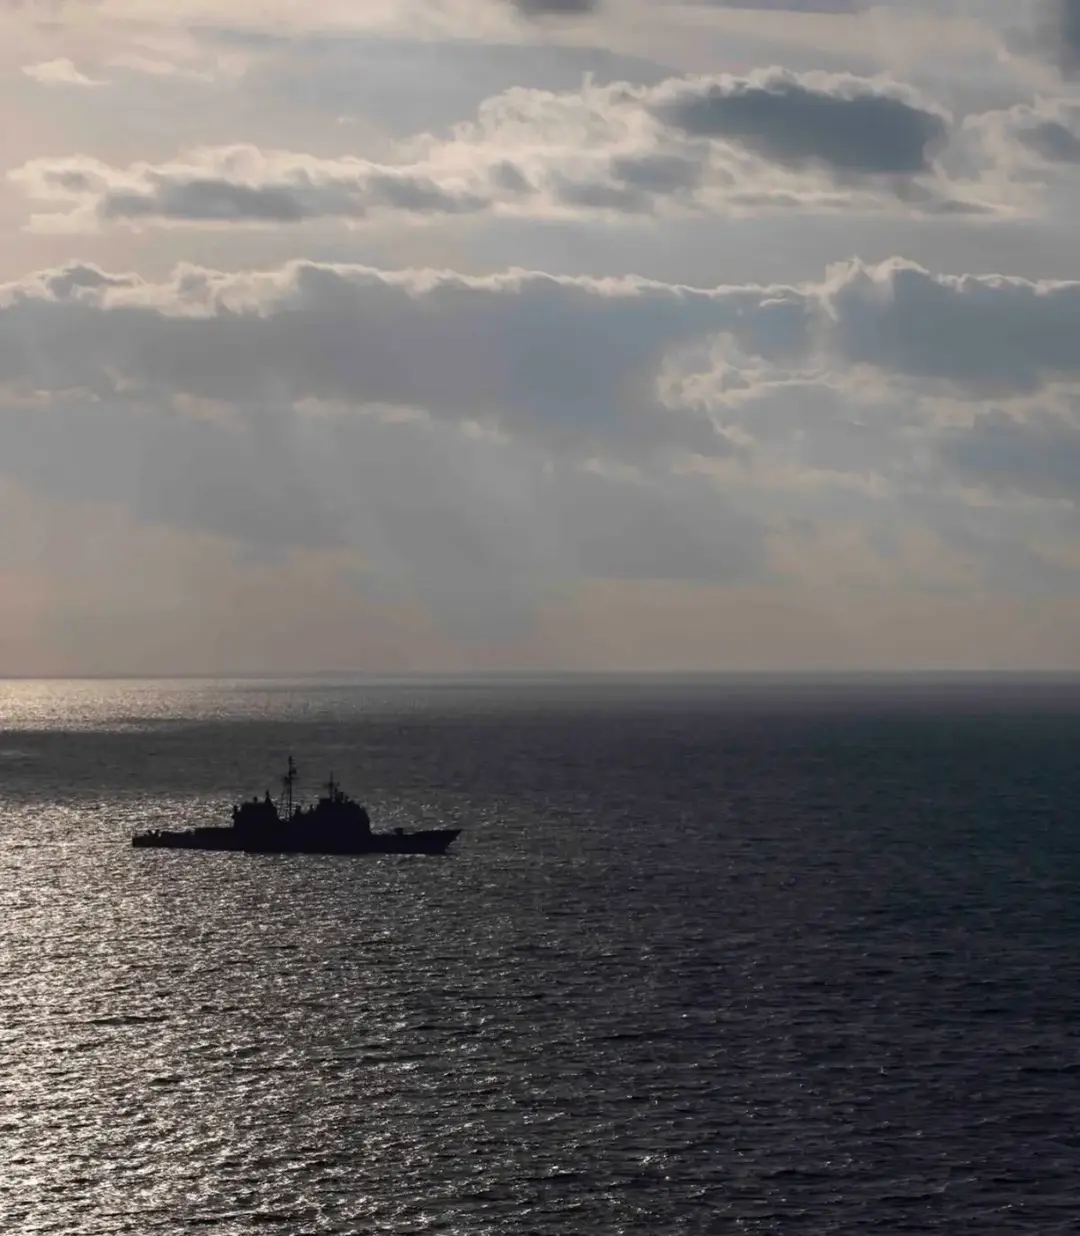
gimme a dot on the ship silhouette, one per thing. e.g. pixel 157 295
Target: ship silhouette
pixel 334 824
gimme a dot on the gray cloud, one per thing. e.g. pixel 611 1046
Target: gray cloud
pixel 848 124
pixel 1061 33
pixel 1037 455
pixel 572 363
pixel 987 334
pixel 789 6
pixel 208 200
pixel 576 364
pixel 468 437
pixel 474 528
pixel 556 8
pixel 1052 140
pixel 1049 30
pixel 268 408
pixel 689 146
pixel 479 531
pixel 656 173
pixel 203 200
pixel 235 478
pixel 242 184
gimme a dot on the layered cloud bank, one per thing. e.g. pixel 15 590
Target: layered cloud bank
pixel 474 443
pixel 772 140
pixel 572 358
pixel 338 304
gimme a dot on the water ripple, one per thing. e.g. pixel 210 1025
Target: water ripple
pixel 691 970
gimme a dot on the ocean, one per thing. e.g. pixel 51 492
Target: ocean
pixel 710 956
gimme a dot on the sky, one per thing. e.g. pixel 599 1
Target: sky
pixel 482 335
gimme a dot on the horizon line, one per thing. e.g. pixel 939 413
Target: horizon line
pixel 466 675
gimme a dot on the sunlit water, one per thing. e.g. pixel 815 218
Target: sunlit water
pixel 705 959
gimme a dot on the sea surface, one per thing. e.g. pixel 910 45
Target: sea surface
pixel 718 956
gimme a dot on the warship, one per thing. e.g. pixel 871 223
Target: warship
pixel 335 824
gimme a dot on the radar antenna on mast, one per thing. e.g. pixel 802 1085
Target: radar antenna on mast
pixel 288 781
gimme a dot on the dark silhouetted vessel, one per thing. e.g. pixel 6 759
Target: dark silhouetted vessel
pixel 335 824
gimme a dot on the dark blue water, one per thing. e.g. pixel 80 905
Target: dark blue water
pixel 715 958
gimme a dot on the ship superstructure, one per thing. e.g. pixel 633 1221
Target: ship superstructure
pixel 333 824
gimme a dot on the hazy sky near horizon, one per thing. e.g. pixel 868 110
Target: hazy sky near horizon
pixel 481 334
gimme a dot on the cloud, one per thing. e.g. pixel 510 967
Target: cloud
pixel 477 529
pixel 244 184
pixel 578 365
pixel 1037 455
pixel 687 146
pixel 681 36
pixel 571 362
pixel 1025 141
pixel 1053 141
pixel 445 428
pixel 971 336
pixel 1060 33
pixel 473 444
pixel 984 334
pixel 555 8
pixel 849 124
pixel 1048 30
pixel 791 6
pixel 59 73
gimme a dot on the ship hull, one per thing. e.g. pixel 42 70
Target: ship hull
pixel 426 841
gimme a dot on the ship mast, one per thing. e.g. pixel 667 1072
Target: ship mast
pixel 287 781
